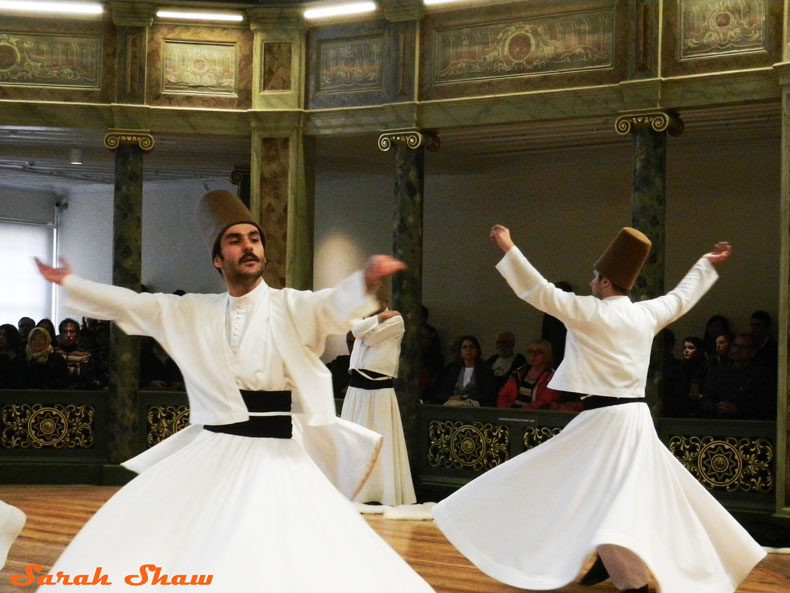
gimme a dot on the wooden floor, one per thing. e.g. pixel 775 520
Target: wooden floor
pixel 56 513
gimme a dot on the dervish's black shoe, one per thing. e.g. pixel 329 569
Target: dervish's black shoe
pixel 640 590
pixel 596 574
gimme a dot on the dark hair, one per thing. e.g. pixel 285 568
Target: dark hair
pixel 694 340
pixel 472 339
pixel 762 316
pixel 12 336
pixel 66 322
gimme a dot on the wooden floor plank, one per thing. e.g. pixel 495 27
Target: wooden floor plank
pixel 56 513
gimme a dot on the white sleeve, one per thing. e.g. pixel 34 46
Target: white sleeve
pixel 684 296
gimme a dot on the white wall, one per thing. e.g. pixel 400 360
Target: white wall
pixel 174 255
pixel 563 208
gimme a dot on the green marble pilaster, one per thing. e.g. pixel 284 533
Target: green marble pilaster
pixel 132 20
pixel 783 383
pixel 127 265
pixel 648 201
pixel 407 232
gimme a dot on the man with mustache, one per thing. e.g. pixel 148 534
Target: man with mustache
pixel 239 494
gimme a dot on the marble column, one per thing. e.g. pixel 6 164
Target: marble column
pixel 783 382
pixel 240 176
pixel 648 201
pixel 128 146
pixel 407 228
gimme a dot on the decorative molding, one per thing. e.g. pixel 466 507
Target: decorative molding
pixel 132 14
pixel 44 60
pixel 536 435
pixel 731 464
pixel 239 173
pixel 713 28
pixel 412 138
pixel 477 446
pixel 165 421
pixel 40 426
pixel 141 138
pixel 658 121
pixel 200 68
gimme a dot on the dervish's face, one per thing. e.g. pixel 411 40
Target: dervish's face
pixel 241 250
pixel 596 287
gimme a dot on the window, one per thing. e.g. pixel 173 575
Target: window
pixel 23 292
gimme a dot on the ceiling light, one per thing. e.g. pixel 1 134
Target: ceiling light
pixel 339 10
pixel 200 16
pixel 52 7
pixel 75 156
pixel 433 2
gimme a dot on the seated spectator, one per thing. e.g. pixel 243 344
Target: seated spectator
pixel 767 348
pixel 714 327
pixel 721 358
pixel 678 394
pixel 95 338
pixel 506 360
pixel 44 369
pixel 527 387
pixel 555 331
pixel 158 371
pixel 12 358
pixel 743 390
pixel 77 360
pixel 339 369
pixel 50 327
pixel 24 325
pixel 467 381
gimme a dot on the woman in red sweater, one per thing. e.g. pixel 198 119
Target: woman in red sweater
pixel 527 387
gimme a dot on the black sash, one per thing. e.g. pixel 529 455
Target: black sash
pixel 359 380
pixel 271 427
pixel 599 401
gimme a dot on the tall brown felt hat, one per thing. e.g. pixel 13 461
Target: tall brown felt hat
pixel 217 211
pixel 623 259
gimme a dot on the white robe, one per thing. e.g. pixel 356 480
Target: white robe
pixel 377 349
pixel 255 513
pixel 606 479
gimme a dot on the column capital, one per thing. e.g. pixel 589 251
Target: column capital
pixel 657 120
pixel 402 10
pixel 239 173
pixel 412 138
pixel 132 14
pixel 141 138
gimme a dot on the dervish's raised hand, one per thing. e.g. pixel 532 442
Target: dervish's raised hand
pixel 501 236
pixel 721 251
pixel 55 275
pixel 378 268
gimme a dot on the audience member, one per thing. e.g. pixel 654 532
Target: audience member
pixel 77 360
pixel 12 358
pixel 339 369
pixel 743 390
pixel 554 330
pixel 50 327
pixel 527 387
pixel 715 326
pixel 506 360
pixel 158 371
pixel 95 338
pixel 24 325
pixel 467 381
pixel 678 394
pixel 767 348
pixel 44 369
pixel 721 358
pixel 661 369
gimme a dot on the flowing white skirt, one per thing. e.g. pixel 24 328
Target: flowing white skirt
pixel 605 479
pixel 390 480
pixel 255 513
